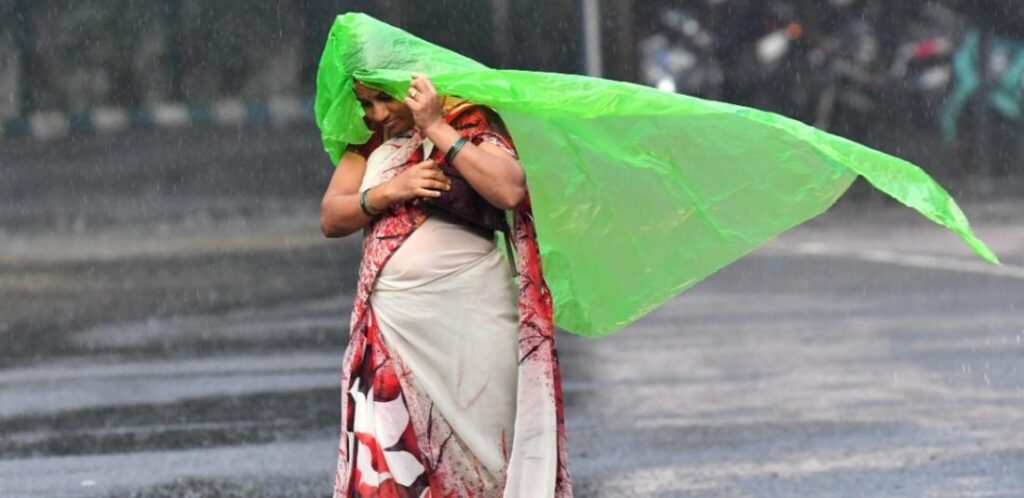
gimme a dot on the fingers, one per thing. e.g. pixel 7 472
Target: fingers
pixel 437 185
pixel 437 182
pixel 416 98
pixel 432 188
pixel 415 104
pixel 417 83
pixel 433 170
pixel 428 86
pixel 436 177
pixel 422 192
pixel 427 176
pixel 423 101
pixel 423 85
pixel 416 90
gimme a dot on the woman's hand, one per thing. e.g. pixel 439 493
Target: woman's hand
pixel 424 179
pixel 422 101
pixel 492 172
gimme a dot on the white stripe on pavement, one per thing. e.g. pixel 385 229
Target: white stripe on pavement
pixel 82 384
pixel 912 260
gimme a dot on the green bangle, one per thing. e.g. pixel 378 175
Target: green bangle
pixel 364 204
pixel 454 149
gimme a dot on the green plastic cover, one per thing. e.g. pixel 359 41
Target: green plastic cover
pixel 638 194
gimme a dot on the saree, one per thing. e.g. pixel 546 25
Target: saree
pixel 460 401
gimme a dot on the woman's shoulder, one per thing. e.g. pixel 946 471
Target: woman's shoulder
pixel 473 117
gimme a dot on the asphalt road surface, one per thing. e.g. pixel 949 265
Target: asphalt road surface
pixel 188 343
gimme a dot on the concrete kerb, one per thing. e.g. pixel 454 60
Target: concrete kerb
pixel 48 125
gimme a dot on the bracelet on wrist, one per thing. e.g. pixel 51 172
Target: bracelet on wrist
pixel 454 149
pixel 364 204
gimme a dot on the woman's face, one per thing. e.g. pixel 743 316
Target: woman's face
pixel 383 110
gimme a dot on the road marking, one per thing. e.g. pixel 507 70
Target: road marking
pixel 85 369
pixel 116 246
pixel 83 384
pixel 912 260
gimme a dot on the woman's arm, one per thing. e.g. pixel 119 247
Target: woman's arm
pixel 491 171
pixel 340 213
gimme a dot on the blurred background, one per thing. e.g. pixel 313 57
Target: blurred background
pixel 168 306
pixel 875 71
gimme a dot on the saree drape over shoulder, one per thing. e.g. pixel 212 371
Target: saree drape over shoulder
pixel 450 381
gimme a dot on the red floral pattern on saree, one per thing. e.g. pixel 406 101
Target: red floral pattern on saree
pixel 410 450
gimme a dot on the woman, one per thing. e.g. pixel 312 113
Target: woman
pixel 450 381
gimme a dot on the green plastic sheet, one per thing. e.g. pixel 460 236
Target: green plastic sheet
pixel 638 194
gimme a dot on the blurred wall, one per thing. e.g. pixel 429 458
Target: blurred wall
pixel 75 55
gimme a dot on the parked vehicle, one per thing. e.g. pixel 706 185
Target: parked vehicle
pixel 679 57
pixel 921 73
pixel 852 77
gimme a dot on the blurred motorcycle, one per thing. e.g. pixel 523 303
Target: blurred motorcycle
pixel 763 46
pixel 921 73
pixel 781 67
pixel 679 57
pixel 852 79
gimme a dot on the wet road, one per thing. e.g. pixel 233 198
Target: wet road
pixel 164 348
